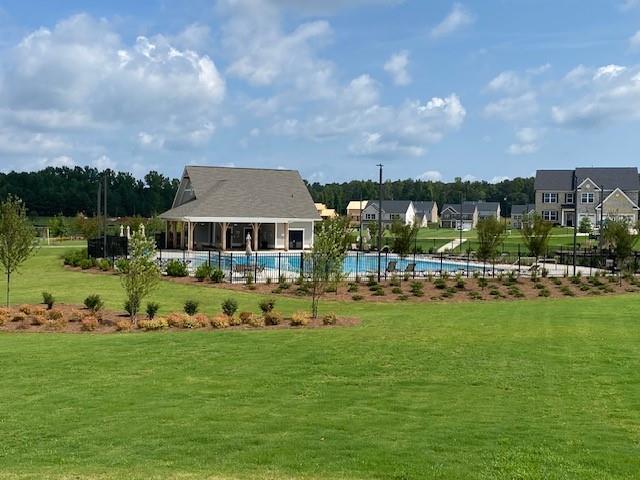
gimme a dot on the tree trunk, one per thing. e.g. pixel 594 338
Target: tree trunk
pixel 8 287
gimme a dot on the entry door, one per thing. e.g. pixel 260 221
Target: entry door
pixel 295 239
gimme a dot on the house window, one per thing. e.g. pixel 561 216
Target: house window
pixel 587 197
pixel 370 216
pixel 550 215
pixel 549 197
pixel 568 197
pixel 394 216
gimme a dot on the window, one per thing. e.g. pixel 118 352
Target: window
pixel 370 216
pixel 587 197
pixel 548 197
pixel 550 215
pixel 394 216
pixel 568 197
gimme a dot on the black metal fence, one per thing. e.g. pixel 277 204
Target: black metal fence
pixel 111 247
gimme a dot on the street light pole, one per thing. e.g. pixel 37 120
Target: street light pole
pixel 575 220
pixel 460 226
pixel 379 220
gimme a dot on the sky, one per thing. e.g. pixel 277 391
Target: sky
pixel 435 89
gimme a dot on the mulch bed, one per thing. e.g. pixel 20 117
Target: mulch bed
pixel 69 319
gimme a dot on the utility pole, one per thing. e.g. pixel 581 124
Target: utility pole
pixel 460 225
pixel 105 190
pixel 600 243
pixel 575 220
pixel 379 220
pixel 360 217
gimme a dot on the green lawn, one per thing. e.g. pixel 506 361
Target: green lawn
pixel 527 390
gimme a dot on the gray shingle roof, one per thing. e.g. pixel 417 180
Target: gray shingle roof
pixel 522 209
pixel 487 207
pixel 423 207
pixel 625 178
pixel 467 207
pixel 226 192
pixel 392 206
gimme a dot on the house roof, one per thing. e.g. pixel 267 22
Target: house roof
pixel 392 206
pixel 355 205
pixel 467 207
pixel 423 207
pixel 522 209
pixel 224 192
pixel 610 177
pixel 487 207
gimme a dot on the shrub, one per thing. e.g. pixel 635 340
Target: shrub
pixel 152 309
pixel 403 298
pixel 329 319
pixel 128 308
pixel 89 323
pixel 234 321
pixel 556 281
pixel 378 292
pixel 356 297
pixel 26 309
pixel 266 305
pixel 87 263
pixel 248 279
pixel 395 281
pixel 567 291
pixel 460 284
pixel 38 311
pixel 94 303
pixel 122 265
pixel 3 319
pixel 494 292
pixel 18 317
pixel 255 321
pixel 48 300
pixel 55 314
pixel 440 283
pixel 244 317
pixel 124 325
pixel 191 307
pixel 73 258
pixel 576 280
pixel 199 320
pixel 396 290
pixel 371 281
pixel 586 288
pixel 229 307
pixel 544 292
pixel 177 268
pixel 24 324
pixel 219 321
pixel 155 324
pixel 104 265
pixel 177 320
pixel 59 323
pixel 300 319
pixel 217 275
pixel 473 295
pixel 203 272
pixel 272 318
pixel 38 320
pixel 75 316
pixel 353 288
pixel 483 282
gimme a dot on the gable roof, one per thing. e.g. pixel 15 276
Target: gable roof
pixel 392 206
pixel 610 177
pixel 487 207
pixel 522 209
pixel 357 205
pixel 423 207
pixel 467 207
pixel 224 192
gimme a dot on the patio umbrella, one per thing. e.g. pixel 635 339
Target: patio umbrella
pixel 248 240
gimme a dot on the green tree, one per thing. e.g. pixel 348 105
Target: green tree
pixel 58 226
pixel 585 225
pixel 403 238
pixel 330 247
pixel 142 273
pixel 491 233
pixel 535 234
pixel 18 238
pixel 87 227
pixel 618 236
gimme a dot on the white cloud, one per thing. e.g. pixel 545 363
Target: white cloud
pixel 396 66
pixel 61 161
pixel 539 70
pixel 527 142
pixel 608 72
pixel 578 76
pixel 629 4
pixel 634 41
pixel 104 163
pixel 362 91
pixel 499 178
pixel 509 82
pixel 375 145
pixel 512 108
pixel 431 175
pixel 458 18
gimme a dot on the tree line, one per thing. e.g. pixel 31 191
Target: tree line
pixel 69 191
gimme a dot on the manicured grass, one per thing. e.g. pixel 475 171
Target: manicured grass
pixel 544 389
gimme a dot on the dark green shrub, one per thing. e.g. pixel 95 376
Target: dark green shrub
pixel 396 290
pixel 48 299
pixel 403 298
pixel 217 275
pixel 229 307
pixel 473 295
pixel 87 263
pixel 440 283
pixel 74 257
pixel 104 264
pixel 544 292
pixel 94 303
pixel 152 309
pixel 267 305
pixel 556 281
pixel 356 297
pixel 272 318
pixel 567 291
pixel 177 268
pixel 378 292
pixel 122 265
pixel 353 287
pixel 203 272
pixel 191 307
pixel 460 284
pixel 483 282
pixel 395 281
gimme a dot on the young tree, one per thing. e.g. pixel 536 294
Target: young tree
pixel 404 238
pixel 327 257
pixel 585 225
pixel 618 236
pixel 491 234
pixel 142 274
pixel 87 227
pixel 535 234
pixel 17 237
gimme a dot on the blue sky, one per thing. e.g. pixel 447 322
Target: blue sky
pixel 435 89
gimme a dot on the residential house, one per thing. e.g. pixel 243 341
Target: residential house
pixel 488 209
pixel 597 193
pixel 426 213
pixel 392 211
pixel 354 210
pixel 221 208
pixel 325 212
pixel 456 215
pixel 518 212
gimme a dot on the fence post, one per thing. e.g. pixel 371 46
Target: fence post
pixel 160 252
pixel 519 260
pixel 301 265
pixel 386 262
pixel 209 258
pixel 219 260
pixel 468 258
pixel 255 270
pixel 414 263
pixel 279 259
pixel 231 267
pixel 441 258
pixel 357 264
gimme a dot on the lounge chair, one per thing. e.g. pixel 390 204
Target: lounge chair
pixel 391 267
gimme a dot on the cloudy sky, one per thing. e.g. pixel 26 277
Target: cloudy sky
pixel 432 89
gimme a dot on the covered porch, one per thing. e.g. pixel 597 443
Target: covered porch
pixel 233 234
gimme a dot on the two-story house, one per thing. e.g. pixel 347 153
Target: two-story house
pixel 426 213
pixel 354 210
pixel 392 210
pixel 518 212
pixel 467 214
pixel 595 193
